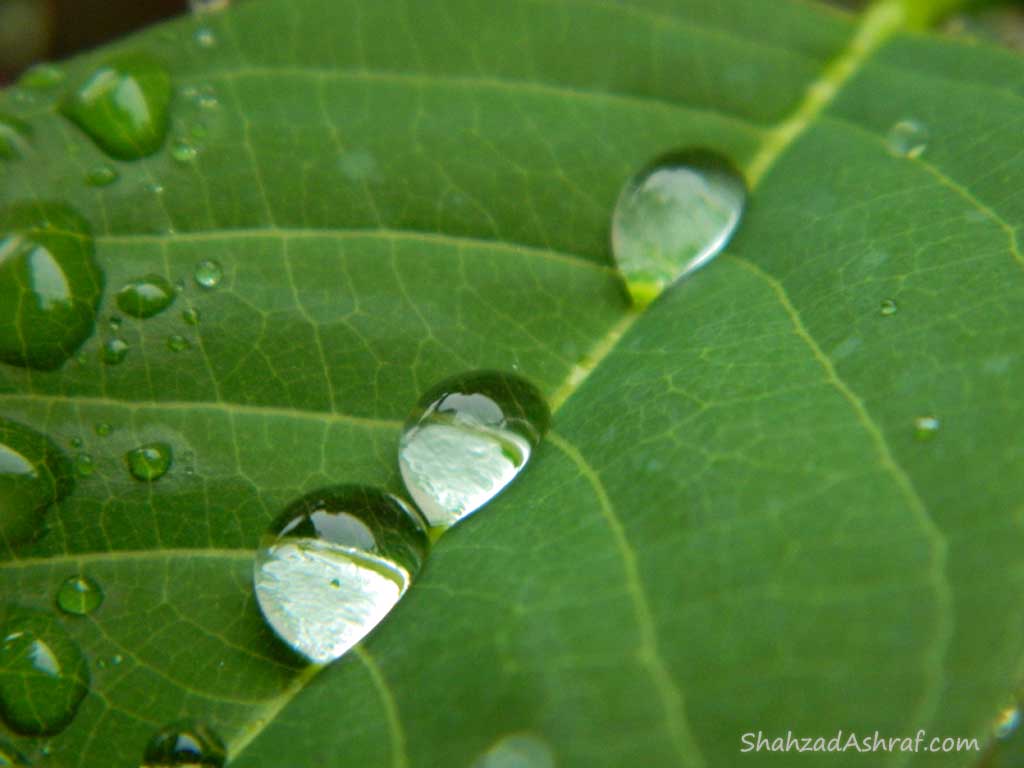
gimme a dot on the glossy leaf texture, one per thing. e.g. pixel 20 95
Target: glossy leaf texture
pixel 732 526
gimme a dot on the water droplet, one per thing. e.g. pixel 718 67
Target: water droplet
pixel 366 540
pixel 1007 722
pixel 116 659
pixel 79 595
pixel 101 176
pixel 467 438
pixel 908 138
pixel 190 316
pixel 114 351
pixel 50 284
pixel 43 675
pixel 145 296
pixel 114 322
pixel 84 465
pixel 14 137
pixel 123 105
pixel 10 757
pixel 208 6
pixel 208 274
pixel 34 474
pixel 42 77
pixel 926 427
pixel 178 343
pixel 519 750
pixel 673 217
pixel 75 442
pixel 888 308
pixel 156 188
pixel 205 38
pixel 184 151
pixel 206 98
pixel 103 429
pixel 149 462
pixel 185 743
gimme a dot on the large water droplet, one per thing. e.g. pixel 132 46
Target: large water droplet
pixel 43 675
pixel 79 595
pixel 185 743
pixel 14 137
pixel 208 274
pixel 50 284
pixel 123 105
pixel 673 217
pixel 908 138
pixel 334 564
pixel 519 750
pixel 149 462
pixel 34 474
pixel 145 296
pixel 926 428
pixel 467 438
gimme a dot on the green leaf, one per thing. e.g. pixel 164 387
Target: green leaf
pixel 732 527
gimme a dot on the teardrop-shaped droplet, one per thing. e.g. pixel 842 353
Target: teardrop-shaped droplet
pixel 888 308
pixel 185 743
pixel 673 217
pixel 123 105
pixel 50 284
pixel 208 274
pixel 467 438
pixel 34 474
pixel 149 462
pixel 101 176
pixel 518 750
pixel 42 77
pixel 10 757
pixel 178 343
pixel 908 138
pixel 146 296
pixel 14 137
pixel 114 351
pixel 43 675
pixel 926 428
pixel 334 564
pixel 79 595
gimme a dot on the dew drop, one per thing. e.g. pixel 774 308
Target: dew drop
pixel 367 541
pixel 14 137
pixel 43 675
pixel 178 343
pixel 114 351
pixel 926 428
pixel 84 465
pixel 123 105
pixel 1007 722
pixel 190 316
pixel 145 296
pixel 75 442
pixel 50 284
pixel 42 77
pixel 101 176
pixel 79 595
pixel 184 151
pixel 888 308
pixel 114 322
pixel 208 273
pixel 185 743
pixel 673 217
pixel 149 462
pixel 205 38
pixel 907 138
pixel 103 429
pixel 518 750
pixel 10 757
pixel 34 474
pixel 156 188
pixel 467 438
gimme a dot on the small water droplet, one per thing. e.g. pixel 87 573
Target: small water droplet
pixel 185 743
pixel 207 98
pixel 114 322
pixel 116 659
pixel 518 750
pixel 14 137
pixel 10 757
pixel 123 105
pixel 79 595
pixel 208 273
pixel 43 675
pixel 1007 722
pixel 178 343
pixel 190 316
pixel 673 217
pixel 205 38
pixel 908 138
pixel 101 176
pixel 34 474
pixel 114 351
pixel 368 541
pixel 145 296
pixel 84 465
pixel 926 427
pixel 42 77
pixel 888 308
pixel 103 429
pixel 208 6
pixel 50 284
pixel 75 442
pixel 156 188
pixel 184 151
pixel 467 438
pixel 149 462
